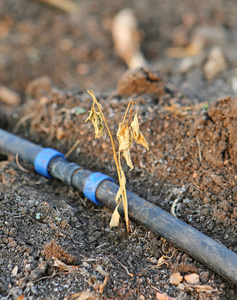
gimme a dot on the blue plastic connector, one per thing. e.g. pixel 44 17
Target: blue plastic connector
pixel 91 185
pixel 43 159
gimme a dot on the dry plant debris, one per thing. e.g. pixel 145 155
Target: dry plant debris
pixel 53 250
pixel 63 267
pixel 127 133
pixel 85 295
pixel 198 288
pixel 100 286
pixel 127 38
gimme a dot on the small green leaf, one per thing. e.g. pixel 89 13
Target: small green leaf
pixel 79 111
pixel 58 219
pixel 37 216
pixel 206 106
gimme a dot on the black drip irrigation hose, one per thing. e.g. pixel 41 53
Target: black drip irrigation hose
pixel 101 189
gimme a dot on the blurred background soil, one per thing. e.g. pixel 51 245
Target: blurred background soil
pixel 186 94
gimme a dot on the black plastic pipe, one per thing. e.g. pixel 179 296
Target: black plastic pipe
pixel 209 252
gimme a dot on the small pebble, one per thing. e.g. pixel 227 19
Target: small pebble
pixel 152 260
pixel 15 270
pixel 192 278
pixel 204 277
pixel 176 278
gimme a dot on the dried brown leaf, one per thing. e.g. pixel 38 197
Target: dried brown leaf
pixel 114 222
pixel 124 136
pixel 137 135
pixel 97 120
pixel 127 156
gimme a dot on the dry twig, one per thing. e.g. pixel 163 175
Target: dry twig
pixel 20 167
pixel 72 148
pixel 22 120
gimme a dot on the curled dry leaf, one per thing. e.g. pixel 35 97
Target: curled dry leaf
pixel 114 222
pixel 137 135
pixel 127 156
pixel 96 118
pixel 125 139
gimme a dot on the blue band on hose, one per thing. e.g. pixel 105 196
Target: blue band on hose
pixel 91 185
pixel 43 159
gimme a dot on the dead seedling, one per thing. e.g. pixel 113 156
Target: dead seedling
pixel 127 133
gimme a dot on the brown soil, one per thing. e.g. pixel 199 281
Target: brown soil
pixel 188 121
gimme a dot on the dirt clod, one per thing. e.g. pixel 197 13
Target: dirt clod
pixel 52 249
pixel 140 81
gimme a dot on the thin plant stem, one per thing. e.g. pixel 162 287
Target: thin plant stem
pixel 129 104
pixel 124 196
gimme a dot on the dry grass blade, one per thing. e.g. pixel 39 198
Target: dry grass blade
pixel 22 120
pixel 72 148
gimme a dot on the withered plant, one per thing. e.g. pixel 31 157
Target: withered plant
pixel 128 132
